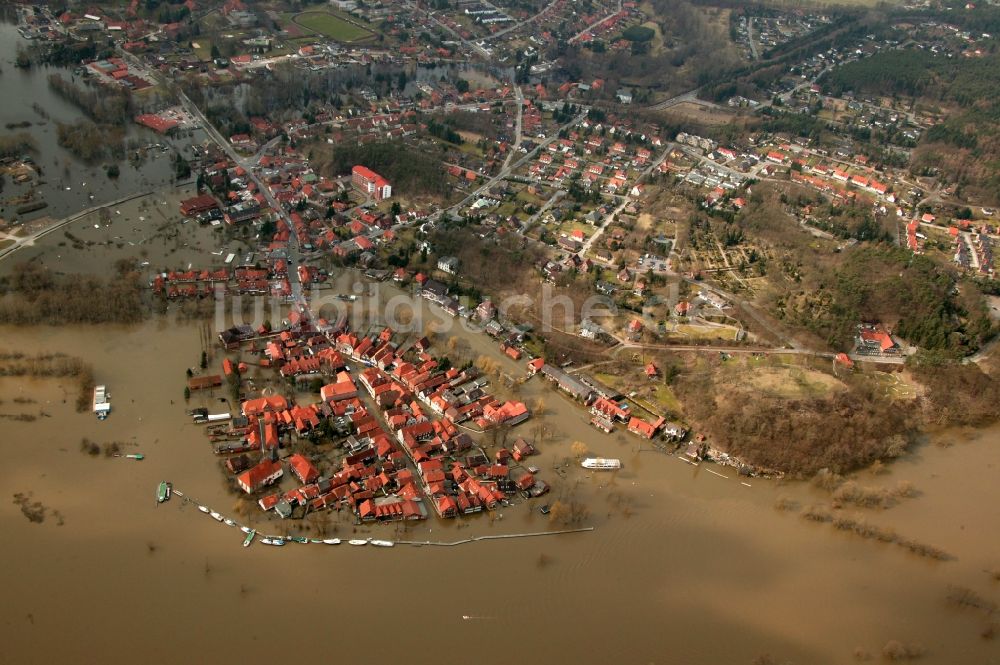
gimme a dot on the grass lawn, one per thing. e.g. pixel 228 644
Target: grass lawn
pixel 706 332
pixel 332 26
pixel 203 49
pixel 471 149
pixel 524 197
pixel 569 226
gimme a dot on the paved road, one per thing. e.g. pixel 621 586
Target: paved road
pixel 27 241
pixel 753 45
pixel 596 23
pixel 559 193
pixel 521 24
pixel 472 46
pixel 517 126
pixel 507 170
pixel 689 96
pixel 625 200
pixel 726 349
pixel 248 164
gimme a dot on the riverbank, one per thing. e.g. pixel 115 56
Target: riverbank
pixel 661 557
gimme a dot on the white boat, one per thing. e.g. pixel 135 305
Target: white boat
pixel 601 463
pixel 216 516
pixel 332 541
pixel 203 509
pixel 357 541
pixel 245 529
pixel 383 543
pixel 229 522
pixel 277 542
pixel 102 402
pixel 267 541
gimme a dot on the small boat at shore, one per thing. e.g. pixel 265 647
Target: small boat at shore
pixel 357 541
pixel 204 509
pixel 229 522
pixel 216 516
pixel 298 539
pixel 277 542
pixel 163 492
pixel 601 464
pixel 383 543
pixel 249 538
pixel 332 541
pixel 267 541
pixel 246 529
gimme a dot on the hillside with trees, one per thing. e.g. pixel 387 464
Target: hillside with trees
pixel 910 293
pixel 967 143
pixel 412 172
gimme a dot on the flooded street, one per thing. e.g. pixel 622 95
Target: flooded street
pixel 683 566
pixel 69 185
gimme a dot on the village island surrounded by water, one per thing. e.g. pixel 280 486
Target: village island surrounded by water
pixel 394 314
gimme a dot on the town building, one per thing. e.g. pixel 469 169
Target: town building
pixel 371 183
pixel 265 473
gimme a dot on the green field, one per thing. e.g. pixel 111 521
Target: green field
pixel 332 26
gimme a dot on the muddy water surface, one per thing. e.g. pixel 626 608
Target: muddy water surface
pixel 683 566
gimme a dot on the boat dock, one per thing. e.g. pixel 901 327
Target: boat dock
pixel 504 536
pixel 281 540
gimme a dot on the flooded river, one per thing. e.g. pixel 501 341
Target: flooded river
pixel 683 566
pixel 68 184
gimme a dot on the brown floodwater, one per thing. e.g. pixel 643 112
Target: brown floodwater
pixel 683 566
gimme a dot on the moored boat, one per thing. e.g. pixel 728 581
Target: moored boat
pixel 102 402
pixel 216 516
pixel 357 541
pixel 267 541
pixel 246 529
pixel 249 538
pixel 601 463
pixel 162 492
pixel 332 541
pixel 229 522
pixel 278 542
pixel 383 543
pixel 204 509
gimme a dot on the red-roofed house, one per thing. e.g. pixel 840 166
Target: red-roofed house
pixel 265 473
pixel 303 469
